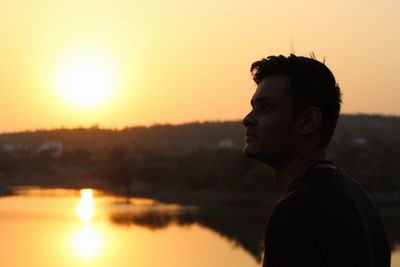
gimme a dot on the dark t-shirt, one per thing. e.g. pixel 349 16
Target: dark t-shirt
pixel 325 218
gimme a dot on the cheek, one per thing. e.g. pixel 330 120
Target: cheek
pixel 274 132
pixel 272 128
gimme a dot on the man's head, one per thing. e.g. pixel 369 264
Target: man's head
pixel 297 102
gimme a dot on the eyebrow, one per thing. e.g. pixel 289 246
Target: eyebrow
pixel 260 99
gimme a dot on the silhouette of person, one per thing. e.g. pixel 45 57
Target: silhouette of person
pixel 323 217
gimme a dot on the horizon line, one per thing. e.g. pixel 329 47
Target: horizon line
pixel 157 124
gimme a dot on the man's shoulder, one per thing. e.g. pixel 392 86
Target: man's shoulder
pixel 324 185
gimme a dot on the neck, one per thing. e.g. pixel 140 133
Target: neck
pixel 297 164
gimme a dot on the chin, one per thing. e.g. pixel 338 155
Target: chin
pixel 251 152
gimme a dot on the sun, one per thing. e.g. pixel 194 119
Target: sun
pixel 86 79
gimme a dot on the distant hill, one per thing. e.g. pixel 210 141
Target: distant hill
pixel 183 138
pixel 186 138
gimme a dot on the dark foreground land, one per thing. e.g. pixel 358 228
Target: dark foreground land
pixel 200 162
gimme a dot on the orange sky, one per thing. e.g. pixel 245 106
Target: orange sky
pixel 178 61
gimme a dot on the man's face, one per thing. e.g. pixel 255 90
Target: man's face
pixel 271 126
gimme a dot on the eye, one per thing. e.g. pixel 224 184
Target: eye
pixel 266 107
pixel 262 107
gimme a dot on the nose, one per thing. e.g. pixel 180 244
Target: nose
pixel 249 120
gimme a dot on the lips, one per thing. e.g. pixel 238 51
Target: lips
pixel 250 136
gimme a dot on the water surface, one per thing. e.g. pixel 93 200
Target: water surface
pixel 58 227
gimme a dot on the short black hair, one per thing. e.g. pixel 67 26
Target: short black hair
pixel 311 84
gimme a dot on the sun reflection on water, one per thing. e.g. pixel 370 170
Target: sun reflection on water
pixel 85 208
pixel 87 241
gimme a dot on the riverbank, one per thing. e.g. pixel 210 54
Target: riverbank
pixel 68 179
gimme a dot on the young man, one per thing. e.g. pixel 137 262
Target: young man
pixel 324 217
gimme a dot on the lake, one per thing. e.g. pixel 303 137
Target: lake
pixel 58 227
pixel 61 227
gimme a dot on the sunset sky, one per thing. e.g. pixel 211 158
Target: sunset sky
pixel 122 63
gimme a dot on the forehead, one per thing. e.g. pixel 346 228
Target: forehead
pixel 274 88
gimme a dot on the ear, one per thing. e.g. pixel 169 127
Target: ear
pixel 311 120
